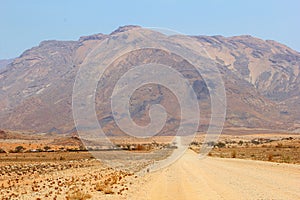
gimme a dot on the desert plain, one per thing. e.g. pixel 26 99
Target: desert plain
pixel 244 166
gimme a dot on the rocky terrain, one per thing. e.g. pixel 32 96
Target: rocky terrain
pixel 272 147
pixel 5 62
pixel 254 166
pixel 262 83
pixel 79 179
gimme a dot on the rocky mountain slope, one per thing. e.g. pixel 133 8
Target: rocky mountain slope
pixel 5 62
pixel 261 77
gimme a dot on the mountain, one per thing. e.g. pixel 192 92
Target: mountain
pixel 270 67
pixel 262 83
pixel 5 62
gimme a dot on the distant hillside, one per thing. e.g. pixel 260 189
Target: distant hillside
pixel 5 62
pixel 262 80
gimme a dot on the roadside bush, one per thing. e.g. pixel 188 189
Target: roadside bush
pixel 195 143
pixel 19 149
pixel 141 147
pixel 255 142
pixel 220 145
pixel 78 195
pixel 211 144
pixel 270 157
pixel 233 154
pixel 279 145
pixel 46 148
pixel 62 158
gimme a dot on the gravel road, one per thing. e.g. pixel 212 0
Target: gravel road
pixel 220 178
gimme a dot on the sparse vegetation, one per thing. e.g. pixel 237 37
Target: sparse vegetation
pixel 64 183
pixel 47 148
pixel 2 151
pixel 233 154
pixel 270 157
pixel 19 149
pixel 29 169
pixel 78 195
pixel 279 145
pixel 220 145
pixel 77 175
pixel 259 148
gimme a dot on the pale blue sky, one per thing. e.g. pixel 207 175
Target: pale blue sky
pixel 24 24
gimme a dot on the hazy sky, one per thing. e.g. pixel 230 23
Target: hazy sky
pixel 24 24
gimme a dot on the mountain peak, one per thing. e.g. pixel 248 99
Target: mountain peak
pixel 125 28
pixel 99 36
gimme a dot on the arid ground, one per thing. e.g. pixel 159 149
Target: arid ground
pixel 256 166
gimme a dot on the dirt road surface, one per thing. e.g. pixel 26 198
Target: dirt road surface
pixel 219 178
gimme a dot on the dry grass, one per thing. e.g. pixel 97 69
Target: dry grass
pixel 45 176
pixel 233 154
pixel 78 195
pixel 106 189
pixel 69 180
pixel 113 183
pixel 44 156
pixel 270 157
pixel 283 149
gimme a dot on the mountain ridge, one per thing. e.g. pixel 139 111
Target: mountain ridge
pixel 261 78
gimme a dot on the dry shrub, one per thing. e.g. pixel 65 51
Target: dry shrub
pixel 279 145
pixel 100 186
pixel 270 157
pixel 62 158
pixel 233 154
pixel 287 159
pixel 109 183
pixel 78 195
pixel 108 190
pixel 140 147
pixel 103 187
